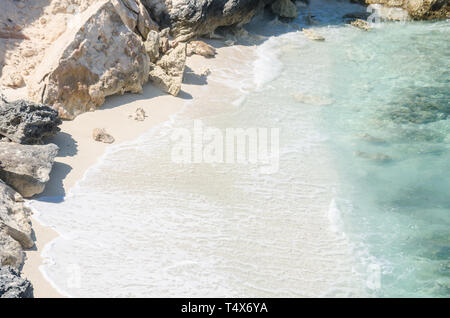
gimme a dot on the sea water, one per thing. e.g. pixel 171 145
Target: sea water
pixel 358 207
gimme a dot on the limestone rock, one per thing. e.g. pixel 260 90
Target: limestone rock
pixel 313 35
pixel 102 136
pixel 419 9
pixel 190 18
pixel 139 114
pixel 26 122
pixel 167 73
pixel 98 57
pixel 152 45
pixel 12 285
pixel 15 227
pixel 361 24
pixel 200 48
pixel 285 9
pixel 26 168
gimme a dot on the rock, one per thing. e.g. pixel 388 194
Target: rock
pixel 311 99
pixel 12 285
pixel 190 18
pixel 164 45
pixel 167 73
pixel 369 138
pixel 26 168
pixel 311 34
pixel 15 227
pixel 152 46
pixel 205 72
pixel 13 78
pixel 361 24
pixel 26 122
pixel 419 9
pixel 285 9
pixel 200 48
pixel 138 115
pixel 378 157
pixel 98 57
pixel 102 136
pixel 145 24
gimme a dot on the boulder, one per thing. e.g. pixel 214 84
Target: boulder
pixel 98 57
pixel 102 136
pixel 15 227
pixel 26 122
pixel 361 24
pixel 190 18
pixel 12 285
pixel 285 9
pixel 167 73
pixel 26 168
pixel 200 48
pixel 419 9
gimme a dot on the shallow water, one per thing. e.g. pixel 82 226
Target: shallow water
pixel 359 206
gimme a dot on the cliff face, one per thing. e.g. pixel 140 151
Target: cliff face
pixel 188 18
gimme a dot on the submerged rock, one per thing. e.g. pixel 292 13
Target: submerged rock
pixel 361 24
pixel 26 168
pixel 15 227
pixel 378 157
pixel 98 57
pixel 26 122
pixel 312 35
pixel 102 136
pixel 285 9
pixel 12 285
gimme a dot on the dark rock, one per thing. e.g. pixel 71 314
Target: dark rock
pixel 26 122
pixel 12 285
pixel 190 18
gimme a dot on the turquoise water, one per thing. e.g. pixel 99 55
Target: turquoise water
pixel 390 132
pixel 359 206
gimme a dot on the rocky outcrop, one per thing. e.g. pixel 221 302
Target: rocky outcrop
pixel 26 122
pixel 98 57
pixel 190 18
pixel 15 227
pixel 26 168
pixel 285 9
pixel 167 73
pixel 12 285
pixel 419 9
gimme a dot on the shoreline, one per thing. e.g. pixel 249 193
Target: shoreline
pixel 78 151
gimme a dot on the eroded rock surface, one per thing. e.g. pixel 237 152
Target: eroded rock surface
pixel 97 57
pixel 190 18
pixel 15 227
pixel 285 9
pixel 419 9
pixel 26 122
pixel 12 285
pixel 26 168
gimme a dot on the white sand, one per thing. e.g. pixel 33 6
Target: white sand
pixel 78 151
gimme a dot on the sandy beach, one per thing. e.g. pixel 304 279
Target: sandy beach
pixel 78 150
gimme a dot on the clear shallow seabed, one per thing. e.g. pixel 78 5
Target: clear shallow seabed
pixel 359 207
